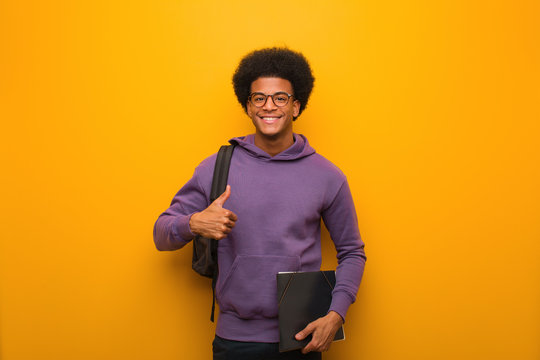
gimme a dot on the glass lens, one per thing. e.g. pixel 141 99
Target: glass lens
pixel 280 98
pixel 258 99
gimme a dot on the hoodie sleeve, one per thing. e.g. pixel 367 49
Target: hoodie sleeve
pixel 341 221
pixel 171 230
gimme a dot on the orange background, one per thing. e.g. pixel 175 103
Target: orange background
pixel 430 108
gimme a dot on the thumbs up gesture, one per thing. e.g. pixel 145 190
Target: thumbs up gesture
pixel 214 222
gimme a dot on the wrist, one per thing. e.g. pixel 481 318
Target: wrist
pixel 193 224
pixel 335 317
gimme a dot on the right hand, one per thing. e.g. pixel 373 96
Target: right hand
pixel 214 222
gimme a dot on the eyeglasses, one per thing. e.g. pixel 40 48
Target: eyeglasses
pixel 280 98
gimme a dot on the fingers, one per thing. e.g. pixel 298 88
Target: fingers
pixel 230 224
pixel 322 330
pixel 317 344
pixel 230 215
pixel 220 201
pixel 309 348
pixel 220 224
pixel 220 231
pixel 304 333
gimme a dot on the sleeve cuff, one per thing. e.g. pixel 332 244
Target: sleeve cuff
pixel 183 229
pixel 340 304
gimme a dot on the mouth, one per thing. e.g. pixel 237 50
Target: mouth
pixel 269 119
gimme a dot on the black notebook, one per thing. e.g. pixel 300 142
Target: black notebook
pixel 303 297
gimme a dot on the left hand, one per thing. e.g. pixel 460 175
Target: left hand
pixel 323 331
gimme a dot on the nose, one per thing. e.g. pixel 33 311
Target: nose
pixel 269 103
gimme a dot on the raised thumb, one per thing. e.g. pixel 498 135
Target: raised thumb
pixel 220 201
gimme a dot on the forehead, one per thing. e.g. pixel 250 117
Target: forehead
pixel 271 85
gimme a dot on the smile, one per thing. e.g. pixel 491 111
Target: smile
pixel 269 119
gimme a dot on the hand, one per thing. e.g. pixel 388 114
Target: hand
pixel 214 222
pixel 323 331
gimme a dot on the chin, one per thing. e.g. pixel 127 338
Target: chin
pixel 267 131
pixel 269 134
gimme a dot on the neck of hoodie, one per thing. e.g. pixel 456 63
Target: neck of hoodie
pixel 300 148
pixel 273 146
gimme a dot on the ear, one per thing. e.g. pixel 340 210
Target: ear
pixel 296 108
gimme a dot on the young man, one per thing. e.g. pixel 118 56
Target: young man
pixel 268 219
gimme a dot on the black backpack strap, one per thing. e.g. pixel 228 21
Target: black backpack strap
pixel 221 171
pixel 219 184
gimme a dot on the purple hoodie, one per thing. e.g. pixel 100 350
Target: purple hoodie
pixel 279 202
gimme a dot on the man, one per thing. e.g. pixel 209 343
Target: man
pixel 268 219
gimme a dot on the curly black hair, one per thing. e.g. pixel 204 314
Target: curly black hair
pixel 274 62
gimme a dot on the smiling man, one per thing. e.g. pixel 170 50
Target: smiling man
pixel 269 218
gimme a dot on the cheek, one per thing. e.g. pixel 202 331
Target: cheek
pixel 249 111
pixel 251 114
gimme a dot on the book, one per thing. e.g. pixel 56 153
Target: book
pixel 303 297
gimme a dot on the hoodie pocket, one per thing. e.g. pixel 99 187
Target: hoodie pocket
pixel 250 289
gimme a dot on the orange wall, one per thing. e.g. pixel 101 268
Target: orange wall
pixel 430 107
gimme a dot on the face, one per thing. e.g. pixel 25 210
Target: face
pixel 272 121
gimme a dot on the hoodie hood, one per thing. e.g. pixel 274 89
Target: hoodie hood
pixel 298 150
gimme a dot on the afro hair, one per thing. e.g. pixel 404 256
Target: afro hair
pixel 274 62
